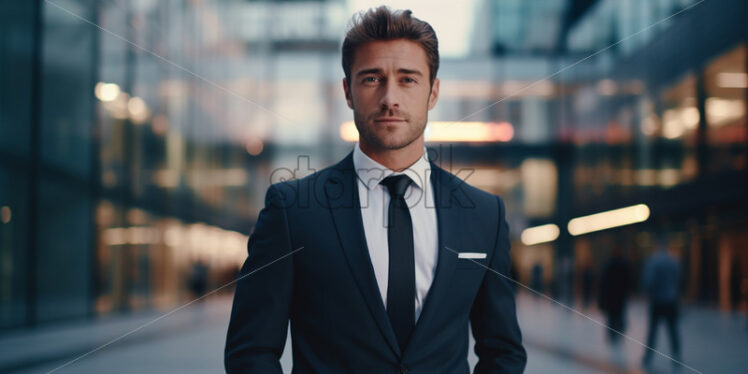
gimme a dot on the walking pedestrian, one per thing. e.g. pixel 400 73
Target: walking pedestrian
pixel 661 283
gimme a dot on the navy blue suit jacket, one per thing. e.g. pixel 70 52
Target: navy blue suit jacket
pixel 309 263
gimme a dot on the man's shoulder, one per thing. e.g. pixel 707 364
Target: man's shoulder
pixel 311 183
pixel 337 169
pixel 461 182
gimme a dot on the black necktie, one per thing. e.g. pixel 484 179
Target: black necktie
pixel 401 285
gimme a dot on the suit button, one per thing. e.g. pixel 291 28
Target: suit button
pixel 403 369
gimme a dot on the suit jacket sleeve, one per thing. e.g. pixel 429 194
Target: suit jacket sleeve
pixel 493 319
pixel 260 313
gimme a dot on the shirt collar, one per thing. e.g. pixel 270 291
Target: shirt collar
pixel 371 172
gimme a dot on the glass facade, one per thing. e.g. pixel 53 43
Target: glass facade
pixel 47 149
pixel 662 121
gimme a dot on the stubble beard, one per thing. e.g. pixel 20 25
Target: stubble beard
pixel 385 139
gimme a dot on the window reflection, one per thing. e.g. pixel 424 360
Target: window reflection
pixel 145 261
pixel 726 81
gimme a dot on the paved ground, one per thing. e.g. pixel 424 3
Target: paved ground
pixel 191 341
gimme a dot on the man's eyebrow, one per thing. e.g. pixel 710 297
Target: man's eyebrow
pixel 409 71
pixel 379 71
pixel 369 71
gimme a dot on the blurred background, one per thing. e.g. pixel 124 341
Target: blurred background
pixel 138 137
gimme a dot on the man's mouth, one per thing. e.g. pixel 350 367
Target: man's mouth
pixel 386 120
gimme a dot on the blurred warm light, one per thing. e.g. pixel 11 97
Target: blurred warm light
pixel 143 235
pixel 106 91
pixel 672 126
pixel 669 177
pixel 136 216
pixel 198 241
pixel 173 236
pixel 540 234
pixel 479 89
pixel 492 178
pixel 625 177
pixel 5 214
pixel 541 88
pixel 138 110
pixel 675 122
pixel 105 213
pixel 212 244
pixel 690 167
pixel 469 132
pixel 348 131
pixel 215 244
pixel 236 177
pixel 131 235
pixel 160 124
pixel 115 236
pixel 723 111
pixel 440 131
pixel 690 117
pixel 649 125
pixel 118 107
pixel 539 186
pixel 646 177
pixel 166 178
pixel 606 220
pixel 255 146
pixel 607 87
pixel 732 80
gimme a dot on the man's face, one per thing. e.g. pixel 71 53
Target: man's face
pixel 390 93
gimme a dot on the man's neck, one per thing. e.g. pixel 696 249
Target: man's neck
pixel 395 159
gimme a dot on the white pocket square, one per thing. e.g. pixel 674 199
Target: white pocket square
pixel 474 255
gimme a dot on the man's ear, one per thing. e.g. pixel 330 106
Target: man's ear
pixel 347 90
pixel 434 96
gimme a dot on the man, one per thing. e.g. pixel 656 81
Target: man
pixel 381 261
pixel 662 284
pixel 615 284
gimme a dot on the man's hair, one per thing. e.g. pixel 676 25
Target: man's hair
pixel 383 24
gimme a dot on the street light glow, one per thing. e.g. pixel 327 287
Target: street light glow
pixel 606 220
pixel 540 234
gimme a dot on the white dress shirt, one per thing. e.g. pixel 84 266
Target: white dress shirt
pixel 375 200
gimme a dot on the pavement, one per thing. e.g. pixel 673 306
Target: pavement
pixel 558 339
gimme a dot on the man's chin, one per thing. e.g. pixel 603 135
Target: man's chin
pixel 390 138
pixel 392 143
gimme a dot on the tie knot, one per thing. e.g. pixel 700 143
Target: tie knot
pixel 396 184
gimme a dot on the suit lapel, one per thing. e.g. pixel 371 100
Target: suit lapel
pixel 341 191
pixel 448 224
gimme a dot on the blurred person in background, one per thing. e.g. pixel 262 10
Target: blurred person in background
pixel 588 281
pixel 744 292
pixel 198 280
pixel 736 280
pixel 738 290
pixel 536 279
pixel 615 284
pixel 353 264
pixel 661 282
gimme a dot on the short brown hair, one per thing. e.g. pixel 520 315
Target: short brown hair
pixel 384 24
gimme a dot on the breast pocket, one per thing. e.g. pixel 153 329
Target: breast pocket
pixel 472 260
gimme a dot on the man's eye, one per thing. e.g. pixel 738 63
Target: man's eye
pixel 409 80
pixel 370 80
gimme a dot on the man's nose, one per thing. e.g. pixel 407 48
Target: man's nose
pixel 390 96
